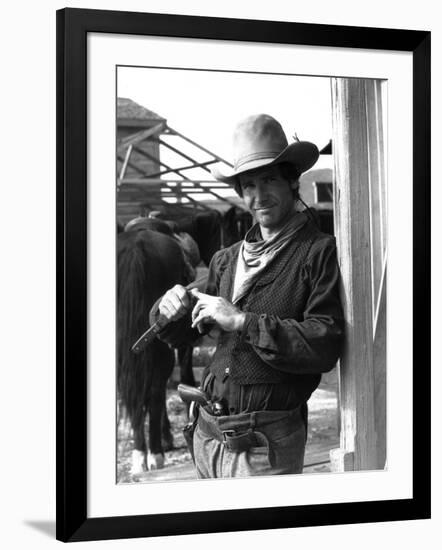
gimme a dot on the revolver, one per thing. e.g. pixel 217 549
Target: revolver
pixel 197 396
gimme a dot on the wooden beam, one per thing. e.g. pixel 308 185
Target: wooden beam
pixel 376 183
pixel 130 164
pixel 218 158
pixel 148 156
pixel 133 139
pixel 158 185
pixel 187 157
pixel 185 178
pixel 137 122
pixel 147 181
pixel 160 199
pixel 196 165
pixel 352 228
pixel 380 370
pixel 140 136
pixel 224 199
pixel 158 161
pixel 124 166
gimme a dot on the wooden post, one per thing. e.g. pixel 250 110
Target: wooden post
pixel 378 233
pixel 358 446
pixel 125 163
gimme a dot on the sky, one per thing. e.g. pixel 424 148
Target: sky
pixel 206 105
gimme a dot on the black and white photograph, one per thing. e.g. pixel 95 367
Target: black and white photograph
pixel 221 266
pixel 243 299
pixel 251 274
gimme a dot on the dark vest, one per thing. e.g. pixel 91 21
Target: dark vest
pixel 282 290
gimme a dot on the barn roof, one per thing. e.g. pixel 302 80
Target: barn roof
pixel 129 109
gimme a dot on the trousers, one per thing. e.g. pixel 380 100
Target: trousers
pixel 249 444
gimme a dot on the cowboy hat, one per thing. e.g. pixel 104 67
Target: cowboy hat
pixel 259 141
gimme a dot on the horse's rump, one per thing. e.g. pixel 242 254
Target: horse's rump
pixel 149 263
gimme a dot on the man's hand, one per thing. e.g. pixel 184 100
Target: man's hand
pixel 175 303
pixel 213 309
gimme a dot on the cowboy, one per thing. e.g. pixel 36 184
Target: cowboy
pixel 274 299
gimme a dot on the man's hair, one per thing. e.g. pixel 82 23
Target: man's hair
pixel 287 171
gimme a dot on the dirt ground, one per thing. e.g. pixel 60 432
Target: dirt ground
pixel 323 432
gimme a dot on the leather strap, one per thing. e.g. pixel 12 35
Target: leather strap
pixel 257 433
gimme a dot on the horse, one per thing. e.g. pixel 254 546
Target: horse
pixel 192 258
pixel 149 263
pixel 203 227
pixel 235 224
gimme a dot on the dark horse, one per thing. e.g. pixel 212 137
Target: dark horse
pixel 149 263
pixel 192 258
pixel 203 227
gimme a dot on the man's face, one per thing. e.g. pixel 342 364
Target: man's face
pixel 268 196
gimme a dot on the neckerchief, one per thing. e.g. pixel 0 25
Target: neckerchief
pixel 255 254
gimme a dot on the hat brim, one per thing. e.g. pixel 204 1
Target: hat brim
pixel 301 154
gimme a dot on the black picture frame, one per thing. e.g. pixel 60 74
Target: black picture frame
pixel 73 25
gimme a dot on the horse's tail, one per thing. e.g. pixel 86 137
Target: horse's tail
pixel 134 372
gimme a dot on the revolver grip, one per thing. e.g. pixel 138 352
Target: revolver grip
pixel 190 393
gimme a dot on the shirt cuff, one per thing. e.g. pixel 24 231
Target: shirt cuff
pixel 250 330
